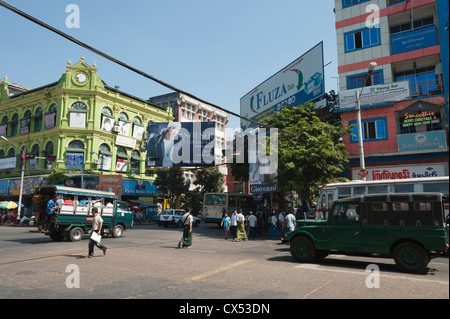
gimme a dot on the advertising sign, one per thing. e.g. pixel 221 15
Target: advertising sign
pixel 434 140
pixel 300 82
pixel 74 160
pixel 413 40
pixel 110 183
pixel 401 172
pixel 138 188
pixel 181 143
pixel 375 94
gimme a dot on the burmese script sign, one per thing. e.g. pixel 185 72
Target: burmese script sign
pixel 375 94
pixel 401 172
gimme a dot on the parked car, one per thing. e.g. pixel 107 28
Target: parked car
pixel 173 217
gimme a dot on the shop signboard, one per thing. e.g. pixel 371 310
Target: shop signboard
pixel 375 94
pixel 138 188
pixel 434 140
pixel 111 183
pixel 401 172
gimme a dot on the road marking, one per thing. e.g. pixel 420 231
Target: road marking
pixel 217 270
pixel 322 268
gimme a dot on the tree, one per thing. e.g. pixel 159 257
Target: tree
pixel 171 182
pixel 312 155
pixel 210 180
pixel 56 177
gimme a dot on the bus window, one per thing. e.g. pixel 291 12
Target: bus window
pixel 404 188
pixel 376 189
pixel 330 201
pixel 215 199
pixel 436 187
pixel 232 201
pixel 359 190
pixel 323 204
pixel 344 192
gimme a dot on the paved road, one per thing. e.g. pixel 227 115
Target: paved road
pixel 145 264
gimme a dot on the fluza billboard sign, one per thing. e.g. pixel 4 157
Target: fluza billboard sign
pixel 299 82
pixel 184 144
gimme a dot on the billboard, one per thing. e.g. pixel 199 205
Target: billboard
pixel 188 144
pixel 300 82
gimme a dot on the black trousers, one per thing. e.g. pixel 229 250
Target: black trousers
pixel 93 243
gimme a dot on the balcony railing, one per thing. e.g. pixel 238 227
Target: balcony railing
pixel 427 88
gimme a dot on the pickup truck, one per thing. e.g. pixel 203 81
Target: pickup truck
pixel 73 216
pixel 409 227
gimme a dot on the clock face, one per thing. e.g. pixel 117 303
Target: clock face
pixel 80 77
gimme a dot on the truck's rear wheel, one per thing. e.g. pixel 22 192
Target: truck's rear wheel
pixel 302 249
pixel 411 257
pixel 75 234
pixel 117 231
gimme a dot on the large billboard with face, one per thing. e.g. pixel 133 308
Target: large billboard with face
pixel 300 82
pixel 188 144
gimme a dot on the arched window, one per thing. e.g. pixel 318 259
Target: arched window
pixel 50 117
pixel 25 123
pixel 124 124
pixel 37 120
pixel 75 155
pixel 77 115
pixel 138 128
pixel 122 159
pixel 104 157
pixel 4 126
pixel 107 120
pixel 14 124
pixel 135 162
pixel 2 153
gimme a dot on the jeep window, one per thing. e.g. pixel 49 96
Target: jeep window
pixel 422 206
pixel 352 212
pixel 379 207
pixel 399 206
pixel 339 212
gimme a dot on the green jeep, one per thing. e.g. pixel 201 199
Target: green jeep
pixel 409 227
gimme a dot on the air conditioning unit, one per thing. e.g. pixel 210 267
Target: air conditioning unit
pixel 96 161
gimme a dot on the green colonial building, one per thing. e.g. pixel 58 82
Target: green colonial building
pixel 79 125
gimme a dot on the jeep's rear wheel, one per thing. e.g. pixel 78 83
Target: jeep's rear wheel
pixel 411 257
pixel 302 249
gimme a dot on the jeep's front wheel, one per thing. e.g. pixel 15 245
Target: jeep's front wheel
pixel 302 249
pixel 411 257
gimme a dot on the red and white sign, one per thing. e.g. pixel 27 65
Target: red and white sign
pixel 401 172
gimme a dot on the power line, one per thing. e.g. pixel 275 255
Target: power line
pixel 106 56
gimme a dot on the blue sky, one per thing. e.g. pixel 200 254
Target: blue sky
pixel 216 50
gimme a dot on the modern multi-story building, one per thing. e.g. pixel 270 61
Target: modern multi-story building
pixel 408 40
pixel 188 109
pixel 79 125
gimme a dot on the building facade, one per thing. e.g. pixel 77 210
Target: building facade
pixel 187 109
pixel 402 137
pixel 80 125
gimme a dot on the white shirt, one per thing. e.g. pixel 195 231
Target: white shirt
pixel 240 218
pixel 252 220
pixel 233 219
pixel 189 220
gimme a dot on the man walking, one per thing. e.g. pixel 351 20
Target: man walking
pixel 97 223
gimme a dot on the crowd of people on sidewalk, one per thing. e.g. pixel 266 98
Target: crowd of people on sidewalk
pixel 240 226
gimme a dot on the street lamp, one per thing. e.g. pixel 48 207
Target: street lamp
pixel 23 163
pixel 372 66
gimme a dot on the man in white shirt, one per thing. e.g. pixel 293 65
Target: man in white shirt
pixel 291 222
pixel 97 224
pixel 252 220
